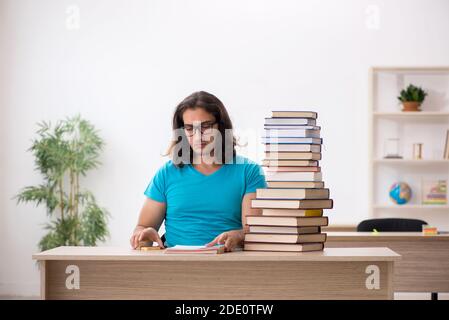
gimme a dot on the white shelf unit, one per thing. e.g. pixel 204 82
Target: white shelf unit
pixel 428 126
pixel 410 206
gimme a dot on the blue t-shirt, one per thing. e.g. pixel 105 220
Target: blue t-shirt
pixel 200 207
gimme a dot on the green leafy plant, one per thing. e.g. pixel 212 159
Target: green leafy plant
pixel 412 94
pixel 63 153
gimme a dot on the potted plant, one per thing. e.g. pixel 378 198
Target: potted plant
pixel 412 98
pixel 63 153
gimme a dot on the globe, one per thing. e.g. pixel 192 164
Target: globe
pixel 400 193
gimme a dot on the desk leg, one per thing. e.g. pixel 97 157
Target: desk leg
pixel 390 276
pixel 43 271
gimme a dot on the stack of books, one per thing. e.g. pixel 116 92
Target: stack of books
pixel 293 203
pixel 434 192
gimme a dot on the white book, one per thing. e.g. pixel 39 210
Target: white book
pixel 293 193
pixel 300 133
pixel 297 140
pixel 286 126
pixel 293 147
pixel 283 229
pixel 195 249
pixel 291 121
pixel 292 155
pixel 293 176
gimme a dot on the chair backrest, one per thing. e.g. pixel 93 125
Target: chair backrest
pixel 391 225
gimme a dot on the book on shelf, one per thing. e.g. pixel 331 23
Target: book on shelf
pixel 294 114
pixel 434 192
pixel 285 238
pixel 287 247
pixel 290 194
pixel 286 221
pixel 284 229
pixel 293 212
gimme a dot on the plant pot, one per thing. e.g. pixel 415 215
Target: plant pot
pixel 411 106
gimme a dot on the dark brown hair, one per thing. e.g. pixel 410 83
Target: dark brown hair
pixel 212 105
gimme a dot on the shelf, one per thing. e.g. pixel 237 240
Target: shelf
pixel 413 206
pixel 412 162
pixel 412 70
pixel 417 114
pixel 429 127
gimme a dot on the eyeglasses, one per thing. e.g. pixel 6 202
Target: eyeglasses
pixel 190 129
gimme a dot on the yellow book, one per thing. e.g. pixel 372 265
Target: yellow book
pixel 293 212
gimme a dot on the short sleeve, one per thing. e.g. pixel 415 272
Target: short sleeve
pixel 156 188
pixel 255 178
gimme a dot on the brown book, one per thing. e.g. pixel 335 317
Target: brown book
pixel 293 212
pixel 286 221
pixel 287 194
pixel 294 114
pixel 281 155
pixel 285 238
pixel 289 163
pixel 147 246
pixel 295 184
pixel 293 204
pixel 284 230
pixel 287 247
pixel 293 169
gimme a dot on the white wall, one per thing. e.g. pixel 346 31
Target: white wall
pixel 130 62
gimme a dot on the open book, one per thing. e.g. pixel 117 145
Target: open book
pixel 195 249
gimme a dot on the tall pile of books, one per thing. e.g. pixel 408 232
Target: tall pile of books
pixel 293 203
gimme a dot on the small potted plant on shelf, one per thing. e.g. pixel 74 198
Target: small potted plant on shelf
pixel 412 98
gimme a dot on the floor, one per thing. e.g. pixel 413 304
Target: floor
pixel 397 296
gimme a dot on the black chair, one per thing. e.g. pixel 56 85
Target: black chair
pixel 394 225
pixel 391 225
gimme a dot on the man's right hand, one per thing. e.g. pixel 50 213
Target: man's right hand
pixel 145 234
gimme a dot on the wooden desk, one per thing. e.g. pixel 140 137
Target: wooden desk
pixel 424 266
pixel 121 273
